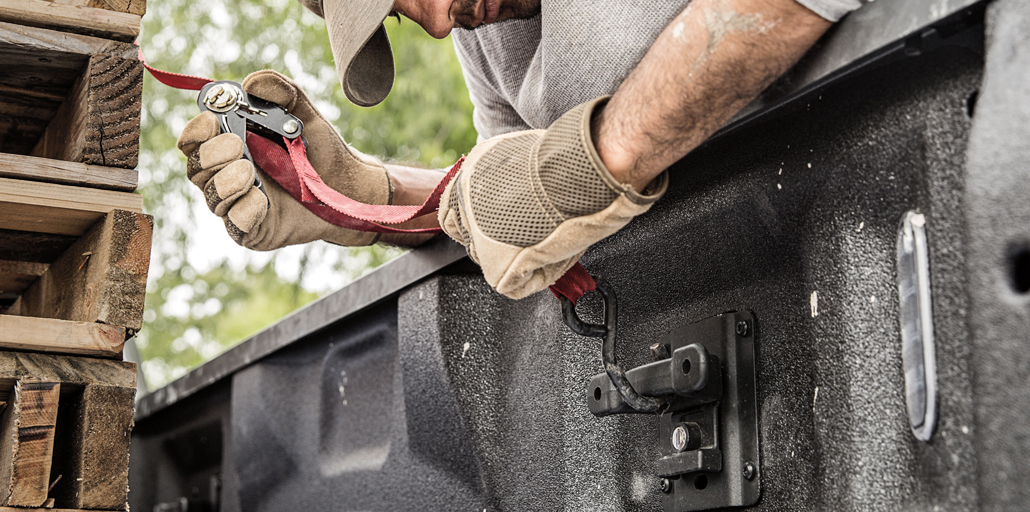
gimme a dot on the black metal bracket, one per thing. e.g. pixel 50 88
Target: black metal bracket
pixel 705 381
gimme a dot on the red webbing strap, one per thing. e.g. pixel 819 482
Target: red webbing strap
pixel 575 283
pixel 176 80
pixel 294 173
pixel 314 187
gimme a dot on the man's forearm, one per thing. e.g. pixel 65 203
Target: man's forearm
pixel 713 59
pixel 412 185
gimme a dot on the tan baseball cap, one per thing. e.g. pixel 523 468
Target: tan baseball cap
pixel 361 49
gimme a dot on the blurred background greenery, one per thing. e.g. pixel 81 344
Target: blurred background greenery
pixel 205 294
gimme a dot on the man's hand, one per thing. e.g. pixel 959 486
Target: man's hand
pixel 216 165
pixel 711 61
pixel 528 204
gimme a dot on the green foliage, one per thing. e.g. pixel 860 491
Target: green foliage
pixel 205 294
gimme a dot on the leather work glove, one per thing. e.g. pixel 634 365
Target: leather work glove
pixel 526 205
pixel 215 163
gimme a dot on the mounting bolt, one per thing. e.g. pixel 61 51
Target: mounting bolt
pixel 679 438
pixel 743 329
pixel 291 126
pixel 222 97
pixel 666 486
pixel 659 351
pixel 749 470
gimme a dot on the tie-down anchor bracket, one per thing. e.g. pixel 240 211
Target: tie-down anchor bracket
pixel 703 383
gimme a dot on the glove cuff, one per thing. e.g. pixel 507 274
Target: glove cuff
pixel 582 116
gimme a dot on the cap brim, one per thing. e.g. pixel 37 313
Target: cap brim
pixel 361 49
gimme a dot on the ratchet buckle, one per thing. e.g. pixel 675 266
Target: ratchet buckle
pixel 238 113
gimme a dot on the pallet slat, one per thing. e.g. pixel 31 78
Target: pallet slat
pixel 36 247
pixel 58 209
pixel 67 173
pixel 88 20
pixel 61 336
pixel 70 370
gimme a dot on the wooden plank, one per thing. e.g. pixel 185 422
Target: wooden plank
pixel 27 442
pixel 102 277
pixel 22 267
pixel 61 336
pixel 37 247
pixel 16 276
pixel 88 20
pixel 39 67
pixel 99 121
pixel 67 173
pixel 68 370
pixel 95 462
pixel 58 209
pixel 46 42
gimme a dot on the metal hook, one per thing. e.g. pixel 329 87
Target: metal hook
pixel 607 332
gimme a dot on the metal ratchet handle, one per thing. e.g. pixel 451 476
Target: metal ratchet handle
pixel 237 112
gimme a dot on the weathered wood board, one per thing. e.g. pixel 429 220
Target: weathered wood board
pixel 61 336
pixel 16 276
pixel 68 370
pixel 67 173
pixel 79 19
pixel 37 247
pixel 27 427
pixel 58 209
pixel 102 277
pixel 95 458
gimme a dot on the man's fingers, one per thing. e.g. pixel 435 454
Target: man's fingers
pixel 198 131
pixel 220 151
pixel 212 156
pixel 228 185
pixel 246 213
pixel 197 174
pixel 271 86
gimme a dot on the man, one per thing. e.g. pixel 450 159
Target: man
pixel 560 165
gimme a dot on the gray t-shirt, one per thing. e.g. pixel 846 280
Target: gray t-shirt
pixel 524 74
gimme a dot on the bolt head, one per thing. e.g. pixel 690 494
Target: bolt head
pixel 222 97
pixel 749 470
pixel 291 126
pixel 743 329
pixel 666 486
pixel 679 438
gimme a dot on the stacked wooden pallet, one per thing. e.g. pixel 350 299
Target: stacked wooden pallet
pixel 74 250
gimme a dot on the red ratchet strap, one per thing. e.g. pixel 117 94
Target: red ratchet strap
pixel 176 80
pixel 292 170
